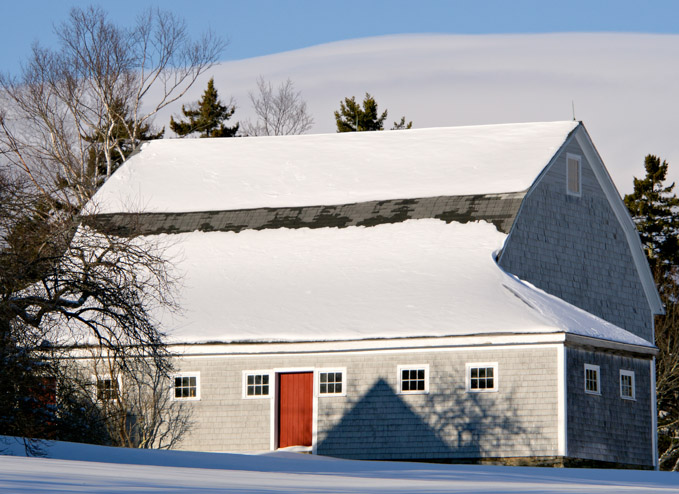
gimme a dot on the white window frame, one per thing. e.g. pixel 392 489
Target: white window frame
pixel 95 382
pixel 630 374
pixel 267 372
pixel 577 158
pixel 341 370
pixel 401 368
pixel 596 369
pixel 186 398
pixel 482 365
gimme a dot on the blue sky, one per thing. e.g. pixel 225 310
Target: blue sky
pixel 261 27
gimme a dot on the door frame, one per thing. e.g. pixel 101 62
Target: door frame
pixel 273 434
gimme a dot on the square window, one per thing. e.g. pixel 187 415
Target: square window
pixel 187 386
pixel 331 382
pixel 107 389
pixel 413 379
pixel 573 174
pixel 482 377
pixel 627 385
pixel 257 384
pixel 592 379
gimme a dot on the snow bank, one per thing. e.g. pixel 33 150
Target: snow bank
pixel 71 468
pixel 178 175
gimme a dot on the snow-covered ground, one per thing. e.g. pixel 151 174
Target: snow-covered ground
pixel 94 469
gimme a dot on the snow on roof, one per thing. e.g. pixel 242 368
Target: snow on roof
pixel 179 175
pixel 415 278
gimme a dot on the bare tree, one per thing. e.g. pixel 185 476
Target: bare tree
pixel 135 401
pixel 667 370
pixel 283 112
pixel 90 98
pixel 66 283
pixel 73 115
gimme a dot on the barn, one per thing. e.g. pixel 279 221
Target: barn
pixel 473 294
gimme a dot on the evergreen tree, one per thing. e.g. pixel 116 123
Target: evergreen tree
pixel 402 124
pixel 208 118
pixel 654 208
pixel 111 144
pixel 351 117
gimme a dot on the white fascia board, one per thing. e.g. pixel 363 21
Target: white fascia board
pixel 403 345
pixel 623 217
pixel 376 345
pixel 577 339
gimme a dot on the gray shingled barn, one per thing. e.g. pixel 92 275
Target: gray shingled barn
pixel 456 294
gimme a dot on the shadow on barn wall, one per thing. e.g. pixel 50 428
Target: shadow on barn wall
pixel 456 425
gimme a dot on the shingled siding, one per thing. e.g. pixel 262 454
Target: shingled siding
pixel 606 427
pixel 574 248
pixel 499 209
pixel 374 421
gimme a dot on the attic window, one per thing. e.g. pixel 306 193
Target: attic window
pixel 573 174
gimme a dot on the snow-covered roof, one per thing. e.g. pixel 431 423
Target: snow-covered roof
pixel 416 278
pixel 180 175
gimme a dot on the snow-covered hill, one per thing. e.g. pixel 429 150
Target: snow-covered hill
pixel 74 468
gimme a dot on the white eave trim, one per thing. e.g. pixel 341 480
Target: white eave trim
pixel 577 339
pixel 402 345
pixel 624 218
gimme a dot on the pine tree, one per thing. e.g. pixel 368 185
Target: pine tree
pixel 208 118
pixel 654 208
pixel 402 124
pixel 115 138
pixel 351 117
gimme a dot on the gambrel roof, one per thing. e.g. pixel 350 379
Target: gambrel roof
pixel 347 236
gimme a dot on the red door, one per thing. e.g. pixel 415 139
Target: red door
pixel 295 409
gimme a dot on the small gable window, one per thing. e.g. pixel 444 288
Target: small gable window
pixel 573 174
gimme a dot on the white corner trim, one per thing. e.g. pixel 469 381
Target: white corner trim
pixel 654 415
pixel 562 390
pixel 623 217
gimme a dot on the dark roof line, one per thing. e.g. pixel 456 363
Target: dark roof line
pixel 499 209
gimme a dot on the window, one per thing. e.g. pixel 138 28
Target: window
pixel 413 378
pixel 592 384
pixel 482 377
pixel 627 388
pixel 187 386
pixel 573 174
pixel 331 382
pixel 107 389
pixel 256 384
